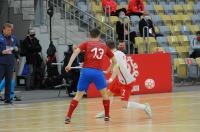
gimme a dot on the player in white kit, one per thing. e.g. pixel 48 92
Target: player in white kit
pixel 122 84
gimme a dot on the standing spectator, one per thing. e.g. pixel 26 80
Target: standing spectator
pixel 72 76
pixel 2 83
pixel 7 59
pixel 136 7
pixel 31 48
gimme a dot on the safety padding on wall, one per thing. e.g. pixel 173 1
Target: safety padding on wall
pixel 153 74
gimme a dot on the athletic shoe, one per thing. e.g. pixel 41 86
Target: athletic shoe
pixel 1 98
pixel 16 98
pixel 106 119
pixel 7 102
pixel 67 120
pixel 100 115
pixel 147 110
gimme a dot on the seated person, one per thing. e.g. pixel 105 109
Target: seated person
pixel 122 31
pixel 110 7
pixel 146 21
pixel 136 7
pixel 195 47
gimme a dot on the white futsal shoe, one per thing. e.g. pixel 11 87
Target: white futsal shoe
pixel 100 115
pixel 147 110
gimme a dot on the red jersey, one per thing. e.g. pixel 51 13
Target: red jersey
pixel 95 53
pixel 111 3
pixel 135 6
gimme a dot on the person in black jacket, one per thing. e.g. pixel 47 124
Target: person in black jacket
pixel 31 48
pixel 147 22
pixel 122 31
pixel 73 75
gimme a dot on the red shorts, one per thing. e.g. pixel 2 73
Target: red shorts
pixel 120 89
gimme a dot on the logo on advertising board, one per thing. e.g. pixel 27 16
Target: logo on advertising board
pixel 149 83
pixel 133 67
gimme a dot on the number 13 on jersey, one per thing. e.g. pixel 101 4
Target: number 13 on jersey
pixel 98 53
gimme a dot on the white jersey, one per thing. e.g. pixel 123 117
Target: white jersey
pixel 124 75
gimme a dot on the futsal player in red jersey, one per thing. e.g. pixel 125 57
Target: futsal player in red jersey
pixel 95 52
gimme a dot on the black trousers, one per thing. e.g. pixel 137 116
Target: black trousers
pixel 72 78
pixel 31 77
pixel 75 77
pixel 6 70
pixel 134 14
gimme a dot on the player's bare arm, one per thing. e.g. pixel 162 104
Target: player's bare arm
pixel 74 55
pixel 114 73
pixel 113 63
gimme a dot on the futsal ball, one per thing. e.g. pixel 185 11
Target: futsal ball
pixel 149 83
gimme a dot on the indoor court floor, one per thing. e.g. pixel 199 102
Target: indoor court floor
pixel 172 112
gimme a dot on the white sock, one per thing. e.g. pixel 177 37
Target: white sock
pixel 132 104
pixel 111 99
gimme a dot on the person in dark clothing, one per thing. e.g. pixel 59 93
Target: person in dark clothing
pixel 195 47
pixel 72 77
pixel 31 48
pixel 123 33
pixel 147 22
pixel 2 83
pixel 8 50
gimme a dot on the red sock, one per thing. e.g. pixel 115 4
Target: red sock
pixel 72 107
pixel 106 104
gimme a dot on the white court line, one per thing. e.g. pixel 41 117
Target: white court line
pixel 42 107
pixel 93 102
pixel 95 127
pixel 89 111
pixel 186 125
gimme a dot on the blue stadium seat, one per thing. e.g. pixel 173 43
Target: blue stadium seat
pixel 196 19
pixel 164 30
pixel 157 20
pixel 149 9
pixel 135 21
pixel 185 30
pixel 162 41
pixel 173 53
pixel 162 2
pixel 196 8
pixel 171 2
pixel 152 1
pixel 168 9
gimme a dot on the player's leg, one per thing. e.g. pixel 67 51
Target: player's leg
pixel 125 94
pixel 106 103
pixel 111 90
pixel 2 86
pixel 102 113
pixel 146 107
pixel 73 105
pixel 100 83
pixel 83 85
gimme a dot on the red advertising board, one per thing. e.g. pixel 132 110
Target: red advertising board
pixel 153 74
